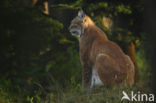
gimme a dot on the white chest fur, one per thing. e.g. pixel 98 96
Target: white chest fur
pixel 95 80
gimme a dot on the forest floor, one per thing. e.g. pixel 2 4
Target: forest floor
pixel 73 93
pixel 102 95
pixel 105 95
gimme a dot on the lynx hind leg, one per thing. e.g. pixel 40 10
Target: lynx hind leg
pixel 131 71
pixel 108 70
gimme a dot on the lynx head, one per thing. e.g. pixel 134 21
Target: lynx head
pixel 79 24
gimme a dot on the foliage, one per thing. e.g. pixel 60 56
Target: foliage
pixel 40 61
pixel 31 54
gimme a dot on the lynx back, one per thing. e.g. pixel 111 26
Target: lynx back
pixel 103 61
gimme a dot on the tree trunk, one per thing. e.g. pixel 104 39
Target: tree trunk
pixel 34 2
pixel 45 7
pixel 44 3
pixel 130 49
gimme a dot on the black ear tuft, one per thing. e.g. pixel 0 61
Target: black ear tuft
pixel 81 14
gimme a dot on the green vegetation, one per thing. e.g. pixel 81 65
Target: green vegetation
pixel 39 59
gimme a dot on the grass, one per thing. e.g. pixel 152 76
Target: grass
pixel 102 95
pixel 72 93
pixel 105 95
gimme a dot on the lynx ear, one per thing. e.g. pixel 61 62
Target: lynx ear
pixel 81 14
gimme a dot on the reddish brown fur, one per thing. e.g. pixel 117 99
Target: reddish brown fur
pixel 114 67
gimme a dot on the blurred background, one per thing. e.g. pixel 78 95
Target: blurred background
pixel 39 59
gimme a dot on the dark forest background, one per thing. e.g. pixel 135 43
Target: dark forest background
pixel 39 59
